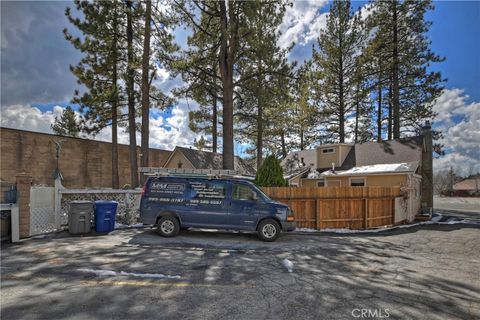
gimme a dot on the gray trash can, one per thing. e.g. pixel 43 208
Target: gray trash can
pixel 80 216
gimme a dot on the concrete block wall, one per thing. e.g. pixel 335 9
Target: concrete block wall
pixel 83 163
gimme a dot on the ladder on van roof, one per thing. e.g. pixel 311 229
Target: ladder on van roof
pixel 207 173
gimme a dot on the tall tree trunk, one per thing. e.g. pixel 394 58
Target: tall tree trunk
pixel 146 87
pixel 214 125
pixel 131 100
pixel 395 84
pixel 284 147
pixel 341 107
pixel 115 178
pixel 357 111
pixel 259 134
pixel 341 119
pixel 390 116
pixel 379 109
pixel 226 59
pixel 302 139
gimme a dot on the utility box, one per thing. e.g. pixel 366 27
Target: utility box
pixel 80 216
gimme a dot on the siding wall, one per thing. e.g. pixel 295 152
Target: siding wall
pixel 176 158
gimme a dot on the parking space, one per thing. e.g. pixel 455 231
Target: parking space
pixel 426 272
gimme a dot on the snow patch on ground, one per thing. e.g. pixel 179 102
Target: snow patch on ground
pixel 99 273
pixel 149 275
pixel 111 273
pixel 128 226
pixel 288 265
pixel 436 219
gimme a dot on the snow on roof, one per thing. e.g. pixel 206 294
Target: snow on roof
pixel 376 168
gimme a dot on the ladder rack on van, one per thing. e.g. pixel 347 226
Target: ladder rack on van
pixel 208 173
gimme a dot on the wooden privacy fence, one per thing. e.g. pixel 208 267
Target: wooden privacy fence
pixel 339 207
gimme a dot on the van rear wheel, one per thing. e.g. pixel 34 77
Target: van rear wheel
pixel 168 226
pixel 268 230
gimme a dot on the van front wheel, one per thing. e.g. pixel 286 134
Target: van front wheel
pixel 168 226
pixel 268 230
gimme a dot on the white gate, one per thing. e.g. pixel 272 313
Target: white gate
pixel 42 210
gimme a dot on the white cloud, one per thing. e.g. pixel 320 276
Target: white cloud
pixel 316 28
pixel 302 22
pixel 449 103
pixel 28 118
pixel 165 133
pixel 460 124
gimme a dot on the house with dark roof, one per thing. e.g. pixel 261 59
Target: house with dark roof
pixel 467 187
pixel 188 158
pixel 404 162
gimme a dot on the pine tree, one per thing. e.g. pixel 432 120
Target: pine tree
pixel 98 70
pixel 204 120
pixel 67 124
pixel 220 38
pixel 146 86
pixel 336 62
pixel 263 67
pixel 130 87
pixel 202 144
pixel 400 42
pixel 306 119
pixel 270 174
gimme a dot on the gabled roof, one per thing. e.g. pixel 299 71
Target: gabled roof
pixel 212 160
pixel 391 151
pixel 469 184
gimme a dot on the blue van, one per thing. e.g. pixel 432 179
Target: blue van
pixel 174 203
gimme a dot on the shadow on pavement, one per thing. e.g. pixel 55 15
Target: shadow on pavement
pixel 332 276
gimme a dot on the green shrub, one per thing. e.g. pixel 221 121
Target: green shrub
pixel 270 173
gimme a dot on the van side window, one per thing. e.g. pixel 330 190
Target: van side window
pixel 207 190
pixel 242 192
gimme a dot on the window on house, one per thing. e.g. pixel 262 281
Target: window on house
pixel 357 182
pixel 328 150
pixel 321 183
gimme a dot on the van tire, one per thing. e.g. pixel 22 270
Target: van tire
pixel 168 226
pixel 268 230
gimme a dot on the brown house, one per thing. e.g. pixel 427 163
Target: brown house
pixel 468 187
pixel 405 162
pixel 186 158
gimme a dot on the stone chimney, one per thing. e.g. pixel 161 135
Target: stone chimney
pixel 427 168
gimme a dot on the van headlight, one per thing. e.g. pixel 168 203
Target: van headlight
pixel 282 211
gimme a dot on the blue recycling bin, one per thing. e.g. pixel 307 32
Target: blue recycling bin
pixel 105 212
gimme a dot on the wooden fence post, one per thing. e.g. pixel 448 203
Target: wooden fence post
pixel 366 213
pixel 318 214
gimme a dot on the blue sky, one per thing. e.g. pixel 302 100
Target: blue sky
pixel 36 82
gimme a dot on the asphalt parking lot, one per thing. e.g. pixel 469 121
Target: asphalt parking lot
pixel 424 272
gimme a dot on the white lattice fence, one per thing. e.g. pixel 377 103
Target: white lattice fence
pixel 128 202
pixel 42 210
